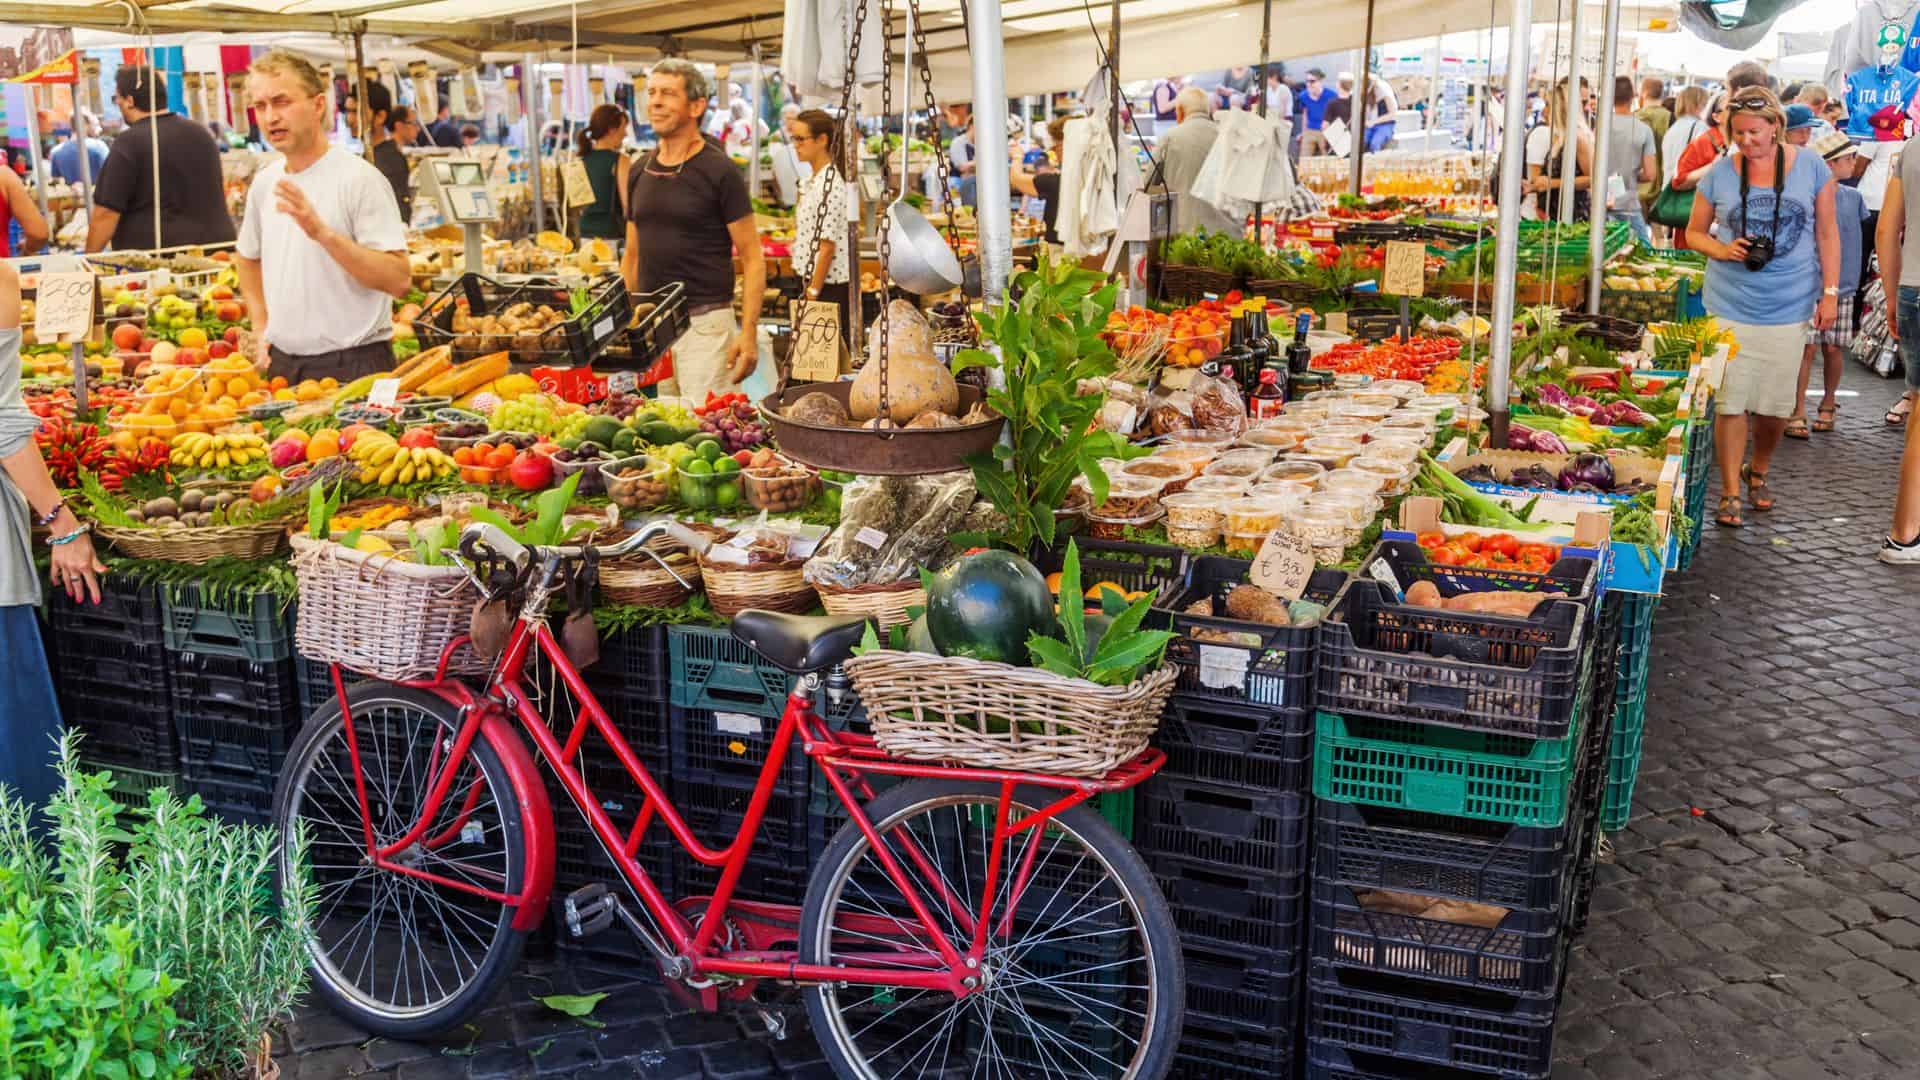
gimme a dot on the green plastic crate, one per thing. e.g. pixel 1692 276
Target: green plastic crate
pixel 1636 646
pixel 1442 770
pixel 1623 765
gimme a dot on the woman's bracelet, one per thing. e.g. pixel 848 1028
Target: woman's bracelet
pixel 76 534
pixel 53 511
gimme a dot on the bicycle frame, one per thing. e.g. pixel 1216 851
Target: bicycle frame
pixel 844 757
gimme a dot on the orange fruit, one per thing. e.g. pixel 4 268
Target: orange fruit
pixel 463 455
pixel 1053 583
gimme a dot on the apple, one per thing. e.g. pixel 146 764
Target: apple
pixel 351 432
pixel 232 336
pixel 219 350
pixel 229 312
pixel 421 437
pixel 126 336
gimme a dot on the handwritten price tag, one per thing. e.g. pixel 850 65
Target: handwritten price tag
pixel 64 306
pixel 1284 563
pixel 816 341
pixel 384 393
pixel 1406 273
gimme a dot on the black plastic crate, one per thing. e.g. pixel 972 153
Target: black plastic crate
pixel 106 658
pixel 122 726
pixel 1521 955
pixel 632 665
pixel 1213 1049
pixel 712 669
pixel 1463 858
pixel 576 340
pixel 826 813
pixel 1257 748
pixel 1327 1061
pixel 1391 661
pixel 245 802
pixel 1583 876
pixel 1071 1042
pixel 126 610
pixel 653 334
pixel 208 678
pixel 235 720
pixel 1258 832
pixel 1574 575
pixel 1226 905
pixel 1464 1029
pixel 720 747
pixel 258 630
pixel 1243 986
pixel 1133 566
pixel 315 681
pixel 1263 665
pixel 847 714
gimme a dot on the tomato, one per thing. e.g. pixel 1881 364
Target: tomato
pixel 1431 540
pixel 1502 544
pixel 1471 541
pixel 1451 554
pixel 1533 566
pixel 1545 552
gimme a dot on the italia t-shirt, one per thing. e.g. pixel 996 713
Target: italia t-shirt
pixel 1871 89
pixel 680 215
pixel 1785 290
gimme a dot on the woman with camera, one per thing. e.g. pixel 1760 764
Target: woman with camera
pixel 1764 217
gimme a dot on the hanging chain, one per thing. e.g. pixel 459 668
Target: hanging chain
pixel 885 219
pixel 941 163
pixel 842 138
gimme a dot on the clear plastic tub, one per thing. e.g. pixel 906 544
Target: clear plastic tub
pixel 1416 438
pixel 638 482
pixel 1295 470
pixel 780 489
pixel 1370 414
pixel 1193 457
pixel 1250 515
pixel 1389 451
pixel 1218 485
pixel 1111 526
pixel 1172 476
pixel 1293 493
pixel 1272 438
pixel 1355 481
pixel 1330 451
pixel 1198 539
pixel 1354 509
pixel 1326 530
pixel 1243 545
pixel 1130 496
pixel 1197 437
pixel 1344 427
pixel 1372 398
pixel 1402 389
pixel 1196 511
pixel 1307 412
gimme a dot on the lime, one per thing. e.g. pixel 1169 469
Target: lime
pixel 698 467
pixel 726 494
pixel 725 466
pixel 710 451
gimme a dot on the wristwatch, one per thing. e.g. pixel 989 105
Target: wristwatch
pixel 1831 290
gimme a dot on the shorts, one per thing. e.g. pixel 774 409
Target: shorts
pixel 344 366
pixel 701 356
pixel 1841 332
pixel 1763 376
pixel 1910 335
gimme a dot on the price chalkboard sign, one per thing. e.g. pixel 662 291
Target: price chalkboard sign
pixel 63 307
pixel 816 341
pixel 1406 273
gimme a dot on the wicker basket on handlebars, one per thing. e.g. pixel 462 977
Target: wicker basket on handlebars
pixel 377 614
pixel 996 716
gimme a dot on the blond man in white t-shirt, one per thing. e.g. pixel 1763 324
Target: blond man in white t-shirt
pixel 321 251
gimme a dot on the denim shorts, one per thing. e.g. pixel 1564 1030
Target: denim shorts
pixel 1909 313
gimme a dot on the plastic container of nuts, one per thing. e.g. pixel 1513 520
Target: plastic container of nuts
pixel 1293 469
pixel 1172 476
pixel 1217 485
pixel 779 488
pixel 1330 451
pixel 637 482
pixel 1240 464
pixel 1196 511
pixel 1395 476
pixel 1248 515
pixel 1272 438
pixel 1105 524
pixel 1327 531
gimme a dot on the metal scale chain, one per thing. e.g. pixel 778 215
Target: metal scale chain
pixel 845 138
pixel 886 207
pixel 941 162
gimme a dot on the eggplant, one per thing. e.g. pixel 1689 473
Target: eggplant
pixel 1587 472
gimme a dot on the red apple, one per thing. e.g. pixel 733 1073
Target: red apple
pixel 218 349
pixel 126 336
pixel 232 335
pixel 421 437
pixel 350 433
pixel 229 312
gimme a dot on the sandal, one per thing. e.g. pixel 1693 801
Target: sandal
pixel 1758 493
pixel 1729 514
pixel 1797 428
pixel 1823 420
pixel 1897 416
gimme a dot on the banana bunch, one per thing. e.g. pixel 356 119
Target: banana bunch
pixel 200 450
pixel 371 443
pixel 395 464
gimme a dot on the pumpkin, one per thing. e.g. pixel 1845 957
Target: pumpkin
pixel 916 381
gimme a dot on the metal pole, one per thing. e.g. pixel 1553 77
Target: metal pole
pixel 1569 153
pixel 363 116
pixel 1506 258
pixel 1597 236
pixel 536 183
pixel 1266 39
pixel 1113 58
pixel 995 196
pixel 33 159
pixel 86 167
pixel 1433 82
pixel 1361 109
pixel 753 128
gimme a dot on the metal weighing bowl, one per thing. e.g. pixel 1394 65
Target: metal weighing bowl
pixel 920 260
pixel 894 452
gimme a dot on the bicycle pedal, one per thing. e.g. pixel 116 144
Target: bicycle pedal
pixel 588 910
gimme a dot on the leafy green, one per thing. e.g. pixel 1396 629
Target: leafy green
pixel 320 509
pixel 1123 653
pixel 1048 344
pixel 548 526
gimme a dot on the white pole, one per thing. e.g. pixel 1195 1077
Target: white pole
pixel 1569 156
pixel 1433 82
pixel 753 128
pixel 1597 236
pixel 1506 258
pixel 33 156
pixel 535 162
pixel 994 195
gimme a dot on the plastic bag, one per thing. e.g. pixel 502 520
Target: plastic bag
pixel 890 527
pixel 1218 404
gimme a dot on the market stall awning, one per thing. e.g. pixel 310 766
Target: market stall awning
pixel 63 70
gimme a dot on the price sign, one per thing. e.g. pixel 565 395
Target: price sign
pixel 578 185
pixel 816 341
pixel 1406 273
pixel 384 393
pixel 1336 322
pixel 1284 563
pixel 63 307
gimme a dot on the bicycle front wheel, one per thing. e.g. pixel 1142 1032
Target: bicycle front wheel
pixel 1082 975
pixel 401 955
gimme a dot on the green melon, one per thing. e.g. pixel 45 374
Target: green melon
pixel 986 605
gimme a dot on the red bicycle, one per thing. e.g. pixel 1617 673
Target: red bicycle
pixel 963 921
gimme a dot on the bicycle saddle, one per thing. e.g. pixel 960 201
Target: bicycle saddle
pixel 800 643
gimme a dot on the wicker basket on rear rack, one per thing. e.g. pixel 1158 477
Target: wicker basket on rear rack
pixel 996 716
pixel 377 614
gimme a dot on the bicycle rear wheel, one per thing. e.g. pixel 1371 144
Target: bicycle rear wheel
pixel 1086 981
pixel 399 955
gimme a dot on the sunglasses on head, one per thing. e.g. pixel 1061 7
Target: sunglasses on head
pixel 1754 104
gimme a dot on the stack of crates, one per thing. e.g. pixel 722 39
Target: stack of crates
pixel 1458 767
pixel 110 672
pixel 1224 825
pixel 1699 473
pixel 236 698
pixel 1635 622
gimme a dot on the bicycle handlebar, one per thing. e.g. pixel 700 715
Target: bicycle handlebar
pixel 480 535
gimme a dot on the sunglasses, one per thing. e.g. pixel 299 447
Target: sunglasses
pixel 1751 105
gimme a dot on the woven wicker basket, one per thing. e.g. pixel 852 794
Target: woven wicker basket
pixel 195 544
pixel 947 708
pixel 1288 289
pixel 640 582
pixel 380 615
pixel 774 587
pixel 1193 282
pixel 886 604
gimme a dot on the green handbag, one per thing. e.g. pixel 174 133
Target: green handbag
pixel 1671 207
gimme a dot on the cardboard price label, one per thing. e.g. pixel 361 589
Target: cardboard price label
pixel 63 307
pixel 1406 273
pixel 578 185
pixel 384 393
pixel 1284 564
pixel 816 341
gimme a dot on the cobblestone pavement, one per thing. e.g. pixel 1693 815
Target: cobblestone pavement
pixel 1761 917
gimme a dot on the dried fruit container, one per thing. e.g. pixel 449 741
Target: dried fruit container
pixel 649 484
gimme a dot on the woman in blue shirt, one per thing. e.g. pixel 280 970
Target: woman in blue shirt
pixel 1764 217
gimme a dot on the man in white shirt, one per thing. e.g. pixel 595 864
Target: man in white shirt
pixel 1182 152
pixel 321 251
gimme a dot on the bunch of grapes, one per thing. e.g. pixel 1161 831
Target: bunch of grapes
pixel 738 427
pixel 531 413
pixel 571 426
pixel 620 405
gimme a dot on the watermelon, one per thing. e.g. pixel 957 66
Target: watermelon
pixel 986 605
pixel 919 638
